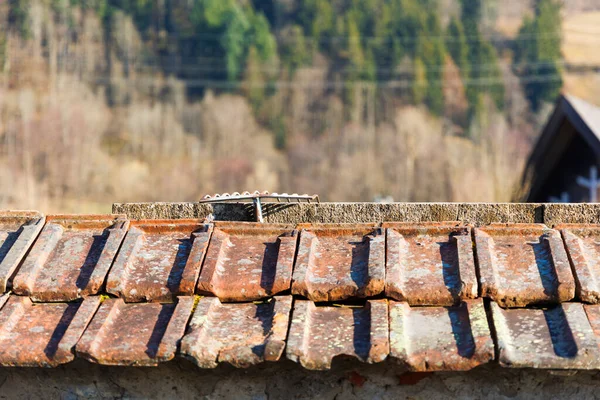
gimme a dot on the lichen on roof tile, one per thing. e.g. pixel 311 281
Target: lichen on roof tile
pixel 241 334
pixel 18 231
pixel 318 334
pixel 140 334
pixel 42 335
pixel 559 337
pixel 248 261
pixel 429 263
pixel 523 264
pixel 71 257
pixel 339 261
pixel 582 242
pixel 455 338
pixel 159 260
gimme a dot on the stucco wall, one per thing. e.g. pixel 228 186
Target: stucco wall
pixel 285 380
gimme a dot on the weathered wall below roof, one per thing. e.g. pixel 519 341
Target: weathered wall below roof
pixel 288 380
pixel 474 213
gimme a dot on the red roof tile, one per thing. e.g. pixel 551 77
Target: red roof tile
pixel 592 312
pixel 430 263
pixel 135 333
pixel 523 264
pixel 557 338
pixel 42 334
pixel 248 261
pixel 71 257
pixel 159 260
pixel 583 246
pixel 18 231
pixel 453 338
pixel 241 334
pixel 318 334
pixel 339 261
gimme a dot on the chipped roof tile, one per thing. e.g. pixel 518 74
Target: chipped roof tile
pixel 45 333
pixel 339 261
pixel 430 263
pixel 18 231
pixel 583 246
pixel 159 259
pixel 141 334
pixel 248 261
pixel 241 334
pixel 455 338
pixel 320 333
pixel 523 264
pixel 555 338
pixel 71 257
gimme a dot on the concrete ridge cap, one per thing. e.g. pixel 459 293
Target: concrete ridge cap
pixel 480 213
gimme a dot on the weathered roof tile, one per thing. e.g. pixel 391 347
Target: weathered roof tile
pixel 320 333
pixel 455 338
pixel 71 257
pixel 592 311
pixel 34 334
pixel 18 231
pixel 438 323
pixel 248 261
pixel 430 263
pixel 241 334
pixel 140 334
pixel 583 246
pixel 159 260
pixel 523 264
pixel 339 261
pixel 555 338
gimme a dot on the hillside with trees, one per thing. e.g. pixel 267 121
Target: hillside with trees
pixel 108 100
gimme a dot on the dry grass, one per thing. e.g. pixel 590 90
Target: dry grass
pixel 583 85
pixel 582 38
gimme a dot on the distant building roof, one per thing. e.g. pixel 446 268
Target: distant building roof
pixel 583 119
pixel 587 112
pixel 428 295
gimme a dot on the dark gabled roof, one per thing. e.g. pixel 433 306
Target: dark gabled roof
pixel 585 119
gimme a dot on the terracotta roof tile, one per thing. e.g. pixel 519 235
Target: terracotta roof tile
pixel 71 257
pixel 339 261
pixel 455 338
pixel 18 231
pixel 438 323
pixel 159 260
pixel 583 246
pixel 320 333
pixel 241 334
pixel 592 312
pixel 45 333
pixel 523 264
pixel 248 261
pixel 430 263
pixel 560 337
pixel 135 333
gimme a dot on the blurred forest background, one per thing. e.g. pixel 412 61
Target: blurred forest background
pixel 107 101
